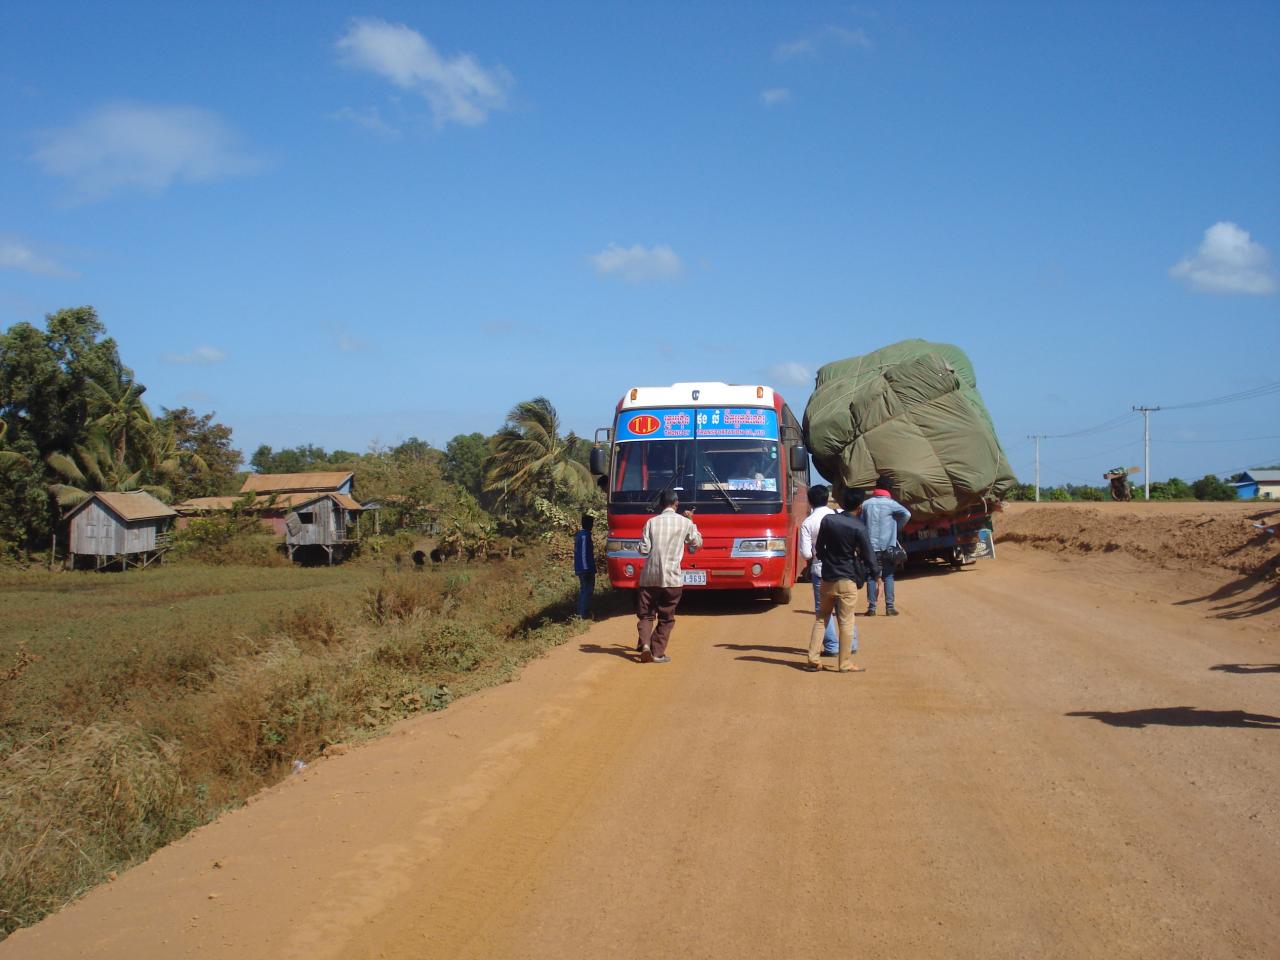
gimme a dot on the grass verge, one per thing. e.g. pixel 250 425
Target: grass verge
pixel 135 707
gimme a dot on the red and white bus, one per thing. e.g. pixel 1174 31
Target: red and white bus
pixel 734 455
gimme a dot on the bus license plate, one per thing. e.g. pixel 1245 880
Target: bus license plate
pixel 695 578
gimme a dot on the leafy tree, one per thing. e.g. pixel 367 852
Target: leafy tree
pixel 529 458
pixel 1210 487
pixel 464 461
pixel 297 459
pixel 200 449
pixel 1172 489
pixel 1021 492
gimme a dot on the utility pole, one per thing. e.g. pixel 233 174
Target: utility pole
pixel 1146 449
pixel 1037 438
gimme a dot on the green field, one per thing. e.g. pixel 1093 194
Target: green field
pixel 136 706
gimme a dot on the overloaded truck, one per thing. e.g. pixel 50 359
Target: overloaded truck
pixel 910 413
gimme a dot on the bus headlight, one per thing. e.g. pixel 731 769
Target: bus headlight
pixel 756 569
pixel 759 547
pixel 629 570
pixel 617 547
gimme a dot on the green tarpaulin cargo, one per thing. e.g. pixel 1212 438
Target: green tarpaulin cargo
pixel 909 412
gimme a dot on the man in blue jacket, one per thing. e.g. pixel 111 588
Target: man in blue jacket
pixel 885 517
pixel 584 565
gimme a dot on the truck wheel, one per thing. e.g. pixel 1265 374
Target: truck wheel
pixel 780 595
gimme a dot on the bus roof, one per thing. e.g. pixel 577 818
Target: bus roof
pixel 699 393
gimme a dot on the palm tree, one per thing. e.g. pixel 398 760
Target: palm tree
pixel 166 460
pixel 8 458
pixel 93 467
pixel 119 412
pixel 529 457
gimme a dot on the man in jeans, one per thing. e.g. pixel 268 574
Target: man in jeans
pixel 584 564
pixel 847 561
pixel 885 517
pixel 819 497
pixel 663 542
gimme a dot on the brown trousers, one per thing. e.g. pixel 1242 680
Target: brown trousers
pixel 656 603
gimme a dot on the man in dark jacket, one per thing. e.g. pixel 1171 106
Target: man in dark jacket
pixel 584 564
pixel 847 562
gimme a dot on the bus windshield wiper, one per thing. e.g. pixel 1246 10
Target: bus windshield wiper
pixel 720 486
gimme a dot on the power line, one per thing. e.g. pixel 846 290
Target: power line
pixel 1087 431
pixel 1250 394
pixel 1235 440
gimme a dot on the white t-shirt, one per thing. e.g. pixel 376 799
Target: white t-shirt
pixel 809 538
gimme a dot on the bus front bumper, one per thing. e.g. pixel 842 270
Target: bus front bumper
pixel 749 573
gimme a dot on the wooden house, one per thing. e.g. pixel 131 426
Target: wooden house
pixel 119 528
pixel 314 514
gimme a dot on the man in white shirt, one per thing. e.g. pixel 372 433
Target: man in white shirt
pixel 819 497
pixel 663 542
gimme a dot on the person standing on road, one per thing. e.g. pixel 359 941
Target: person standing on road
pixel 819 507
pixel 584 564
pixel 885 517
pixel 663 542
pixel 847 561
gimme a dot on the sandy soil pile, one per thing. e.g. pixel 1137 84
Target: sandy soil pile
pixel 1165 535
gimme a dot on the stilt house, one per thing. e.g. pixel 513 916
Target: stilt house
pixel 314 513
pixel 119 528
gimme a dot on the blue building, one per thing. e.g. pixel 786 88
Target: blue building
pixel 1264 484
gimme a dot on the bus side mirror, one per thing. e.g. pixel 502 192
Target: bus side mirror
pixel 799 462
pixel 598 465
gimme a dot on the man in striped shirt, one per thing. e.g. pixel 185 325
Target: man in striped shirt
pixel 663 542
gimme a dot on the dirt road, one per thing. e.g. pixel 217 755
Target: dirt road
pixel 1049 756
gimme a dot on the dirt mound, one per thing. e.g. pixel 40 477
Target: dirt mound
pixel 1164 535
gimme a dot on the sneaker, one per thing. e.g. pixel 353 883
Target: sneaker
pixel 662 659
pixel 871 612
pixel 891 612
pixel 828 653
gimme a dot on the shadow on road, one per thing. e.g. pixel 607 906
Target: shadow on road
pixel 762 648
pixel 1247 667
pixel 1250 595
pixel 1181 717
pixel 626 653
pixel 793 664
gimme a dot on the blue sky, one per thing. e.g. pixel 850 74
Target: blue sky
pixel 341 224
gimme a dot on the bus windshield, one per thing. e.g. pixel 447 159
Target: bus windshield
pixel 702 471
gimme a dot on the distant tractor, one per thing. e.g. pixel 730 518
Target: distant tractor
pixel 1119 477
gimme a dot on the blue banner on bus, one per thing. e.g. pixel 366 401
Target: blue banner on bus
pixel 664 424
pixel 737 422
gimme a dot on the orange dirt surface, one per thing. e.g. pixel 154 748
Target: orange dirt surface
pixel 1070 752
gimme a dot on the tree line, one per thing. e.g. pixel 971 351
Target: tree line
pixel 73 421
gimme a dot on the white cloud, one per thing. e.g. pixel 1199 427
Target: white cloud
pixel 811 44
pixel 133 146
pixel 349 344
pixel 370 119
pixel 791 373
pixel 774 96
pixel 17 254
pixel 1228 261
pixel 457 89
pixel 637 264
pixel 200 356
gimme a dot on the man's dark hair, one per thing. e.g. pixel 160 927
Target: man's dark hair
pixel 588 521
pixel 819 494
pixel 668 498
pixel 852 498
pixel 882 483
